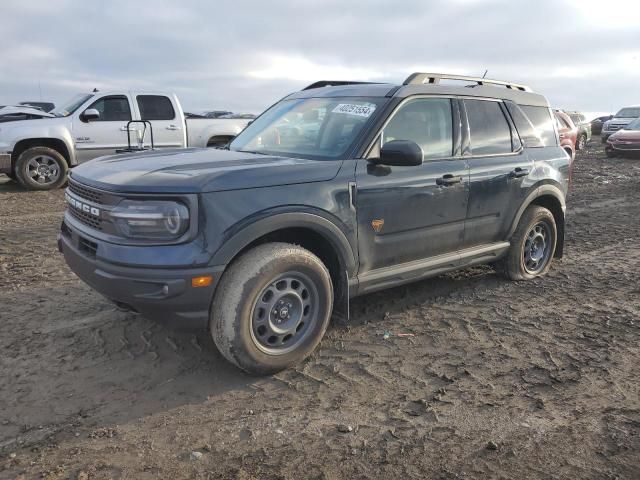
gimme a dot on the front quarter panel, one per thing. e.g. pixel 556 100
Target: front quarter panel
pixel 54 128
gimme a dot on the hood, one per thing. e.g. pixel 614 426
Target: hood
pixel 199 170
pixel 626 136
pixel 620 120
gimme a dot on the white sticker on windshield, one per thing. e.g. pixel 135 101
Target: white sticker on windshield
pixel 358 110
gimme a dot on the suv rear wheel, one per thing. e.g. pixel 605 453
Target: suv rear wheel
pixel 271 308
pixel 532 245
pixel 41 168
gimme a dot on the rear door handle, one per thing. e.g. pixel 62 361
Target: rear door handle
pixel 448 179
pixel 519 172
pixel 173 127
pixel 124 129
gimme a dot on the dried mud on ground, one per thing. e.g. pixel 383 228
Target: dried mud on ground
pixel 463 376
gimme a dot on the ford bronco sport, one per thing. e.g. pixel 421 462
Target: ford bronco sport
pixel 338 190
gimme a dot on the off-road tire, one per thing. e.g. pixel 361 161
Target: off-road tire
pixel 239 292
pixel 22 168
pixel 514 263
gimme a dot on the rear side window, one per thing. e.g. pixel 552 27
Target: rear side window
pixel 114 108
pixel 541 119
pixel 155 107
pixel 489 130
pixel 528 133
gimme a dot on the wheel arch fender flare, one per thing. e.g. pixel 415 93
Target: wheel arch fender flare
pixel 546 190
pixel 252 230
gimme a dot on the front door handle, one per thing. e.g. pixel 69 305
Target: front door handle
pixel 519 172
pixel 448 180
pixel 124 129
pixel 173 127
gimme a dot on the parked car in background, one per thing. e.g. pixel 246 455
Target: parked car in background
pixel 216 113
pixel 38 153
pixel 584 129
pixel 621 119
pixel 21 112
pixel 598 122
pixel 44 106
pixel 248 116
pixel 567 132
pixel 333 192
pixel 624 141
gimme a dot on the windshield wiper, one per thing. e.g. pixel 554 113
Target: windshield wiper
pixel 250 151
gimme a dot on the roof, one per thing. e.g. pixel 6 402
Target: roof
pixel 473 87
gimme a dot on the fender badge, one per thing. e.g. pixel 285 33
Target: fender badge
pixel 377 224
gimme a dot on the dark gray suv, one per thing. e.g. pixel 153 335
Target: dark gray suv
pixel 338 190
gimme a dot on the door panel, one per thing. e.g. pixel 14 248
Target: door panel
pixel 167 125
pixel 421 218
pixel 106 134
pixel 408 213
pixel 498 171
pixel 495 196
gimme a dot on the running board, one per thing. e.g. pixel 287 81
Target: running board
pixel 387 277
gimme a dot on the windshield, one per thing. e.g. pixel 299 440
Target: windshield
pixel 629 113
pixel 72 105
pixel 635 125
pixel 318 128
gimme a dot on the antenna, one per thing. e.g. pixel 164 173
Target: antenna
pixel 485 73
pixel 40 89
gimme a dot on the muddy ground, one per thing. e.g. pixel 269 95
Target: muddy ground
pixel 463 376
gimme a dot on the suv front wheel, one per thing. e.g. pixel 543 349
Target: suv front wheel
pixel 271 308
pixel 533 245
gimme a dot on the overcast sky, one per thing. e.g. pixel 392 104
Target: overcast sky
pixel 244 55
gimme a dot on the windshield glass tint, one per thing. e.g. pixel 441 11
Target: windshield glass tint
pixel 629 113
pixel 319 128
pixel 71 106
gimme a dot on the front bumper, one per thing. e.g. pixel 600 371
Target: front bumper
pixel 623 147
pixel 165 295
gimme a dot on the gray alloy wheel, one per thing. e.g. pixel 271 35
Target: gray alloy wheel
pixel 284 313
pixel 41 168
pixel 537 248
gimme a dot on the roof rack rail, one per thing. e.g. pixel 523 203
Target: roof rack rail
pixel 419 78
pixel 335 83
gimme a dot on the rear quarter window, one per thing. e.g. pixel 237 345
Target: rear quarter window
pixel 155 107
pixel 540 118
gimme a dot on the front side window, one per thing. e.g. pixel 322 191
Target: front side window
pixel 541 119
pixel 425 121
pixel 488 128
pixel 318 128
pixel 112 109
pixel 155 107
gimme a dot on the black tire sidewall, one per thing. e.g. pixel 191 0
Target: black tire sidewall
pixel 242 348
pixel 21 168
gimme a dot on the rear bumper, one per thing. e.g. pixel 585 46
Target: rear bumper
pixel 5 163
pixel 165 295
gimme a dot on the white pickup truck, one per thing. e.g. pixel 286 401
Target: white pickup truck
pixel 38 152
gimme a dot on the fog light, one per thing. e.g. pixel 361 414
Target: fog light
pixel 165 290
pixel 202 281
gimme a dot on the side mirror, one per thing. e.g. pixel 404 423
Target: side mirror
pixel 90 114
pixel 401 153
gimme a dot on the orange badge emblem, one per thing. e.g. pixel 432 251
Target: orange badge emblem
pixel 377 224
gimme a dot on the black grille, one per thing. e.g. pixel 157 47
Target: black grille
pixel 85 192
pixel 85 218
